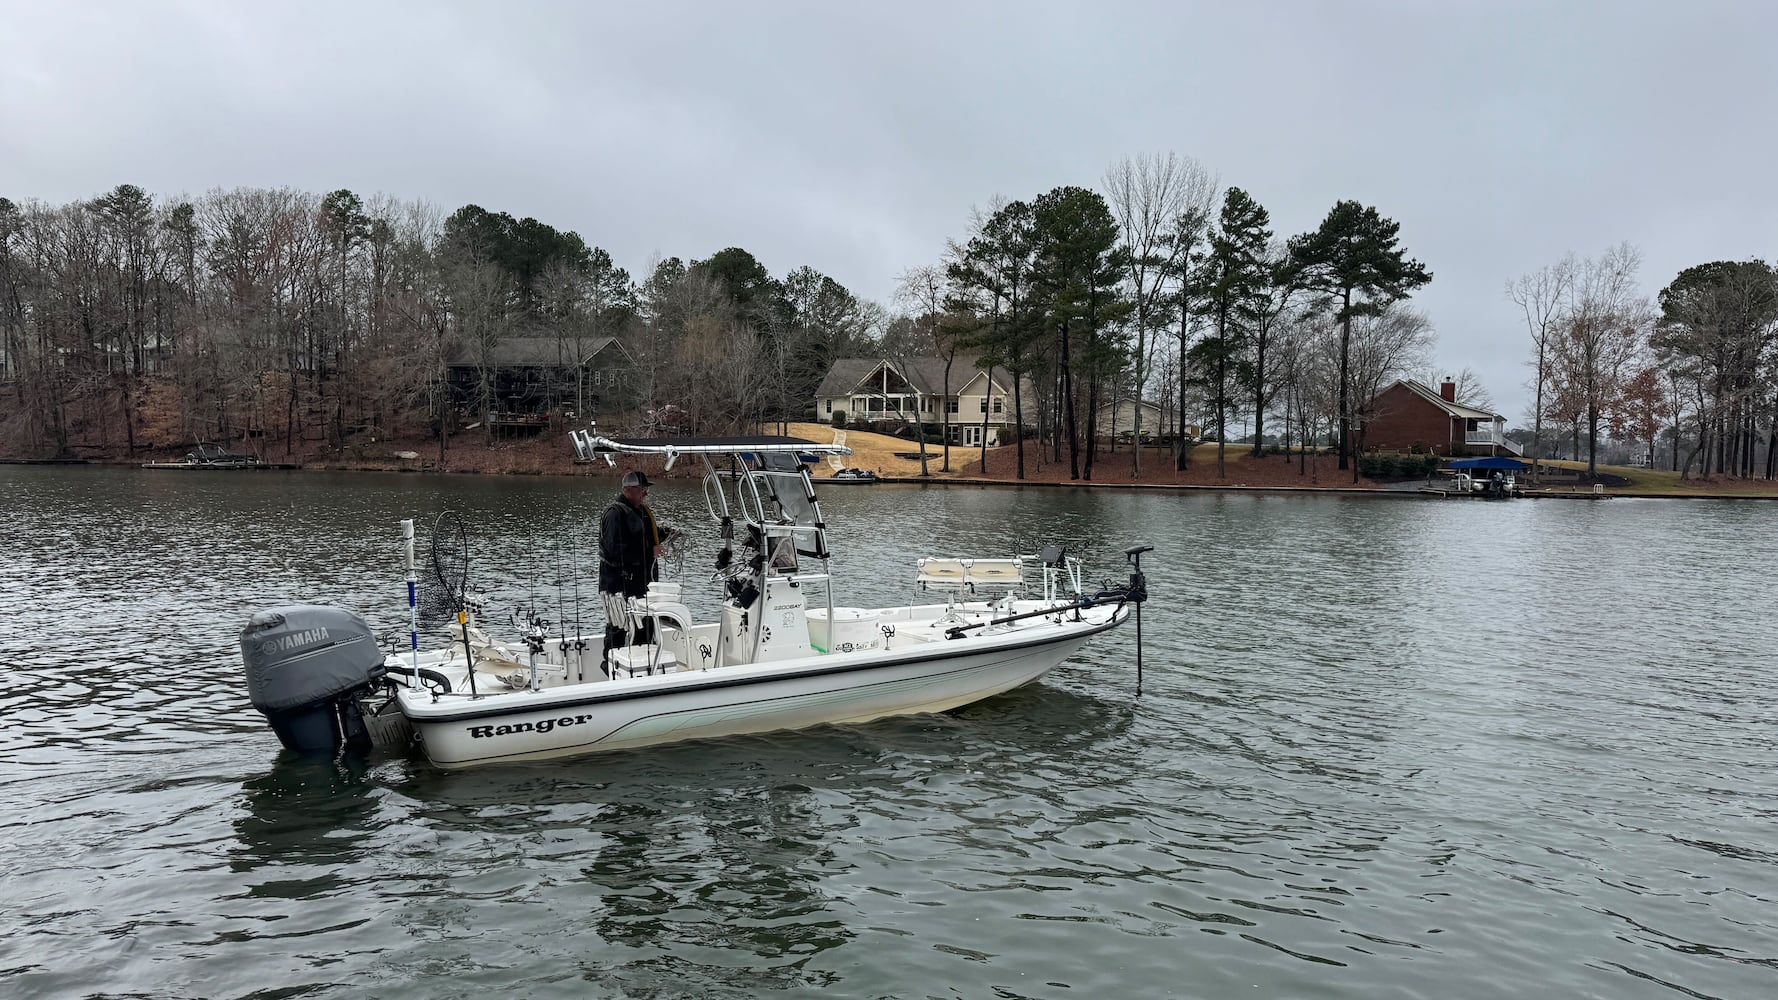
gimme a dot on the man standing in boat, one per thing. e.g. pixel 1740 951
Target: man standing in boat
pixel 630 543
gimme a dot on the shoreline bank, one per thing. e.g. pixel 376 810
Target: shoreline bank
pixel 1416 490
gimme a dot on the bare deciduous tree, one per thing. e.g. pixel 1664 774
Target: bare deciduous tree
pixel 1540 296
pixel 1152 196
pixel 1604 330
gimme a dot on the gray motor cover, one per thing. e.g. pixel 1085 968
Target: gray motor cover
pixel 303 653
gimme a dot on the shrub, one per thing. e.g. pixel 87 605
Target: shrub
pixel 839 419
pixel 1393 466
pixel 1377 466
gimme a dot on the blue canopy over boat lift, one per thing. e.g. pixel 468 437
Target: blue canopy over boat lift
pixel 1495 462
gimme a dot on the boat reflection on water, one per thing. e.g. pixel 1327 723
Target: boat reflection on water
pixel 304 820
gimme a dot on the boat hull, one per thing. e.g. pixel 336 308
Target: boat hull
pixel 577 719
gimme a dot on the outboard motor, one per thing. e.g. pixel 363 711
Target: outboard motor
pixel 307 667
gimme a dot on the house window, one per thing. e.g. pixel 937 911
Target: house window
pixel 984 404
pixel 830 406
pixel 950 406
pixel 997 405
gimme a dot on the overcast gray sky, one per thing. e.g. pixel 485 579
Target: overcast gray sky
pixel 858 138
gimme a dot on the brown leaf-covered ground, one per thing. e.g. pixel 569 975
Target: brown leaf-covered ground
pixel 888 457
pixel 97 435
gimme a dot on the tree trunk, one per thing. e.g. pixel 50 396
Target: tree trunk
pixel 1592 440
pixel 1018 418
pixel 1180 449
pixel 1259 393
pixel 129 416
pixel 1068 415
pixel 944 412
pixel 1345 351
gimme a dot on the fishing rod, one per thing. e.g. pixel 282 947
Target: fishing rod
pixel 413 594
pixel 561 609
pixel 535 627
pixel 579 632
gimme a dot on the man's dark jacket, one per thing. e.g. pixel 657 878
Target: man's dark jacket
pixel 627 537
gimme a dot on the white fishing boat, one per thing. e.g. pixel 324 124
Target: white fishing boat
pixel 782 652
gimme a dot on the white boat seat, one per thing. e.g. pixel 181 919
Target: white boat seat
pixel 659 612
pixel 640 661
pixel 979 577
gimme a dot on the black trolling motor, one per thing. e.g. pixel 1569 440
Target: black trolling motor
pixel 1135 592
pixel 1138 593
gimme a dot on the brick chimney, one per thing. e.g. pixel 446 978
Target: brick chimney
pixel 1448 389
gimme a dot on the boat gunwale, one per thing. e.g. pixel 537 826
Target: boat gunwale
pixel 437 711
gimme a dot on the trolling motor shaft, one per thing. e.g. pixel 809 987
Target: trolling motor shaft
pixel 1138 591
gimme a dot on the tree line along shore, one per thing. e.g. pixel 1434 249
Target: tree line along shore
pixel 309 325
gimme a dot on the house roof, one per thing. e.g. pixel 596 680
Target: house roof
pixel 1454 409
pixel 1120 400
pixel 845 375
pixel 925 375
pixel 535 352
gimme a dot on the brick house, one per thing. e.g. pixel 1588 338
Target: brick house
pixel 1408 413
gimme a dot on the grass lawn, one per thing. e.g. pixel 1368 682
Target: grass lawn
pixel 1655 482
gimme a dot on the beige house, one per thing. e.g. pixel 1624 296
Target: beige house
pixel 1118 418
pixel 877 390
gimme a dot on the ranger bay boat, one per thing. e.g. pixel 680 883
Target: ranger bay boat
pixel 782 652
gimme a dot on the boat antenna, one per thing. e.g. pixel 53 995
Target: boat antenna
pixel 1138 592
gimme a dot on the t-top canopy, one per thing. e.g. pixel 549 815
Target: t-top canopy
pixel 587 444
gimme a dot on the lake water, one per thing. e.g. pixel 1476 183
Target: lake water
pixel 1385 748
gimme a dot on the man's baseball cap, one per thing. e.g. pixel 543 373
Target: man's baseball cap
pixel 636 478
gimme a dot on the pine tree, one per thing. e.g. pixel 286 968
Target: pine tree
pixel 1231 284
pixel 1355 261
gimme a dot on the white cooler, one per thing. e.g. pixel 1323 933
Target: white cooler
pixel 852 630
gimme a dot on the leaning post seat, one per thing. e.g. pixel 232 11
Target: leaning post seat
pixel 660 606
pixel 639 661
pixel 972 577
